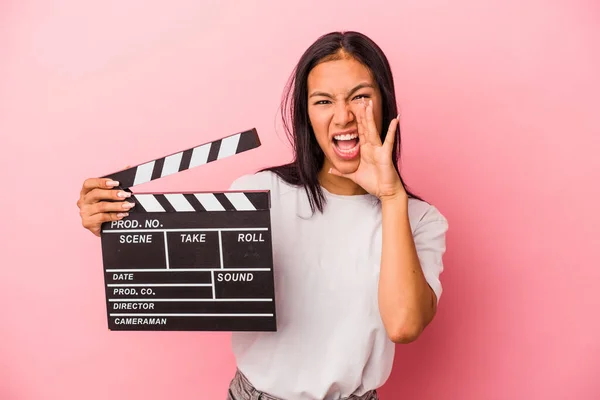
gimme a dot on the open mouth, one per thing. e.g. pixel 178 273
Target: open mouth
pixel 346 146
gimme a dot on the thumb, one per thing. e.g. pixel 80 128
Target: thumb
pixel 335 172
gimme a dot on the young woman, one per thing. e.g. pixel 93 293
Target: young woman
pixel 357 256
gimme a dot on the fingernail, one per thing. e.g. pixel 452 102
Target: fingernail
pixel 128 205
pixel 371 102
pixel 121 215
pixel 398 117
pixel 329 170
pixel 112 183
pixel 124 194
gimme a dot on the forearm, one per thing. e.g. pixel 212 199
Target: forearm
pixel 406 302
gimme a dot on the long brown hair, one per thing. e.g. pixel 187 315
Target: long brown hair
pixel 309 158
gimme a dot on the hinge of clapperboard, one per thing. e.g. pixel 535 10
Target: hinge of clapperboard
pixel 190 158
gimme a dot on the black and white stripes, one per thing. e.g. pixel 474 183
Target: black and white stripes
pixel 194 202
pixel 190 158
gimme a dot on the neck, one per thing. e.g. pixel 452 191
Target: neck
pixel 337 184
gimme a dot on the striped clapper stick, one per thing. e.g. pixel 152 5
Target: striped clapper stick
pixel 190 261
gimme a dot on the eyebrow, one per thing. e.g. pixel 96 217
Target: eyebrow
pixel 354 89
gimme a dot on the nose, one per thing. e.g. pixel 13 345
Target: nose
pixel 342 114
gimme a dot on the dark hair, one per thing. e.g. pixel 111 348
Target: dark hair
pixel 309 158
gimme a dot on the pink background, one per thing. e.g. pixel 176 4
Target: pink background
pixel 501 126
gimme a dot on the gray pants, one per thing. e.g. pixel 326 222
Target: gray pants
pixel 240 388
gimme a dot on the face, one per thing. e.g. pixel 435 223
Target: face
pixel 336 90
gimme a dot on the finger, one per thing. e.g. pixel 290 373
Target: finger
pixel 101 183
pixel 391 132
pixel 97 195
pixel 370 125
pixel 102 207
pixel 362 117
pixel 335 172
pixel 360 124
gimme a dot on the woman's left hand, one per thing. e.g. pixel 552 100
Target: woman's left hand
pixel 375 172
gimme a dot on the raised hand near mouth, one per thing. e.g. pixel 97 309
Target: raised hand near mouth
pixel 375 173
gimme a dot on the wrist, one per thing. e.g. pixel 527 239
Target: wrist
pixel 395 200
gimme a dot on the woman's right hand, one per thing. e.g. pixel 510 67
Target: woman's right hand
pixel 93 207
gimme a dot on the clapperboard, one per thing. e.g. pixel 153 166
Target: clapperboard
pixel 185 261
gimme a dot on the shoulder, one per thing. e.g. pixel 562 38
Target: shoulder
pixel 424 215
pixel 256 181
pixel 262 180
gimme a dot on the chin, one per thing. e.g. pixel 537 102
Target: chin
pixel 345 166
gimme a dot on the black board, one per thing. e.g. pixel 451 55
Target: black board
pixel 190 261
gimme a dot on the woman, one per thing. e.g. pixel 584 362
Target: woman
pixel 357 256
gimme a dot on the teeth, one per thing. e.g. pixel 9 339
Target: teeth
pixel 349 150
pixel 348 136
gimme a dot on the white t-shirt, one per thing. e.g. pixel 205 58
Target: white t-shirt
pixel 330 340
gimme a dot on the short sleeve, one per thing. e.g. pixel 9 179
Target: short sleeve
pixel 430 242
pixel 256 181
pixel 244 182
